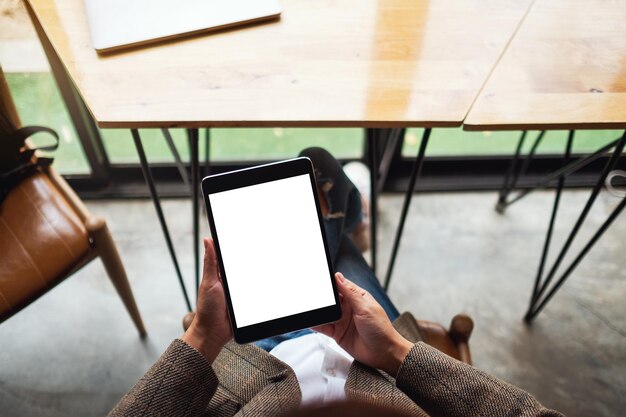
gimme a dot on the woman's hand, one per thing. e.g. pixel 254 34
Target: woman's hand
pixel 210 329
pixel 364 330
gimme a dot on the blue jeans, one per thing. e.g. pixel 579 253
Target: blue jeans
pixel 344 202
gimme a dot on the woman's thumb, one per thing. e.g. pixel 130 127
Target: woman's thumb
pixel 353 294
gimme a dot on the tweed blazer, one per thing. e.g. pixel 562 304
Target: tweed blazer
pixel 245 380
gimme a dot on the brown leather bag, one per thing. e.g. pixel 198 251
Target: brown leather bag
pixel 17 161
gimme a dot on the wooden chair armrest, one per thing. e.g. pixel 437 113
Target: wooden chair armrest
pixel 460 331
pixel 188 319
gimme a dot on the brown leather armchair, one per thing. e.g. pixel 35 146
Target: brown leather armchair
pixel 454 341
pixel 47 234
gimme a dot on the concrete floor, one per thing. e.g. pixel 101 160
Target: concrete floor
pixel 76 352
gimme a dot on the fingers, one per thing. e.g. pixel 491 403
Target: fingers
pixel 358 298
pixel 210 273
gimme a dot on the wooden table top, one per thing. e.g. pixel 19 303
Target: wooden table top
pixel 564 69
pixel 360 63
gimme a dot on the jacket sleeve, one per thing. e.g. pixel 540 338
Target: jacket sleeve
pixel 442 385
pixel 180 383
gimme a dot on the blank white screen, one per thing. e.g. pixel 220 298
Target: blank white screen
pixel 272 249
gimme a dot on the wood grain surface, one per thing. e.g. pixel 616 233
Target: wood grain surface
pixel 564 69
pixel 363 63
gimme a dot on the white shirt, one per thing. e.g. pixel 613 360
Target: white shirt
pixel 321 367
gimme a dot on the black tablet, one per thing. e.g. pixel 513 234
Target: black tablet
pixel 271 247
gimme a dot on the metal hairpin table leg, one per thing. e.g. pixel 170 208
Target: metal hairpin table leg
pixel 177 159
pixel 512 171
pixel 537 303
pixel 564 171
pixel 157 205
pixel 533 150
pixel 415 173
pixel 540 305
pixel 555 209
pixel 192 134
pixel 373 166
pixel 396 137
pixel 207 152
pixel 508 187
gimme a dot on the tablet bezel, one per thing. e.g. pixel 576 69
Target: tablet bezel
pixel 254 176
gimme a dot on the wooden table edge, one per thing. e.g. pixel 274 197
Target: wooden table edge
pixel 276 123
pixel 471 127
